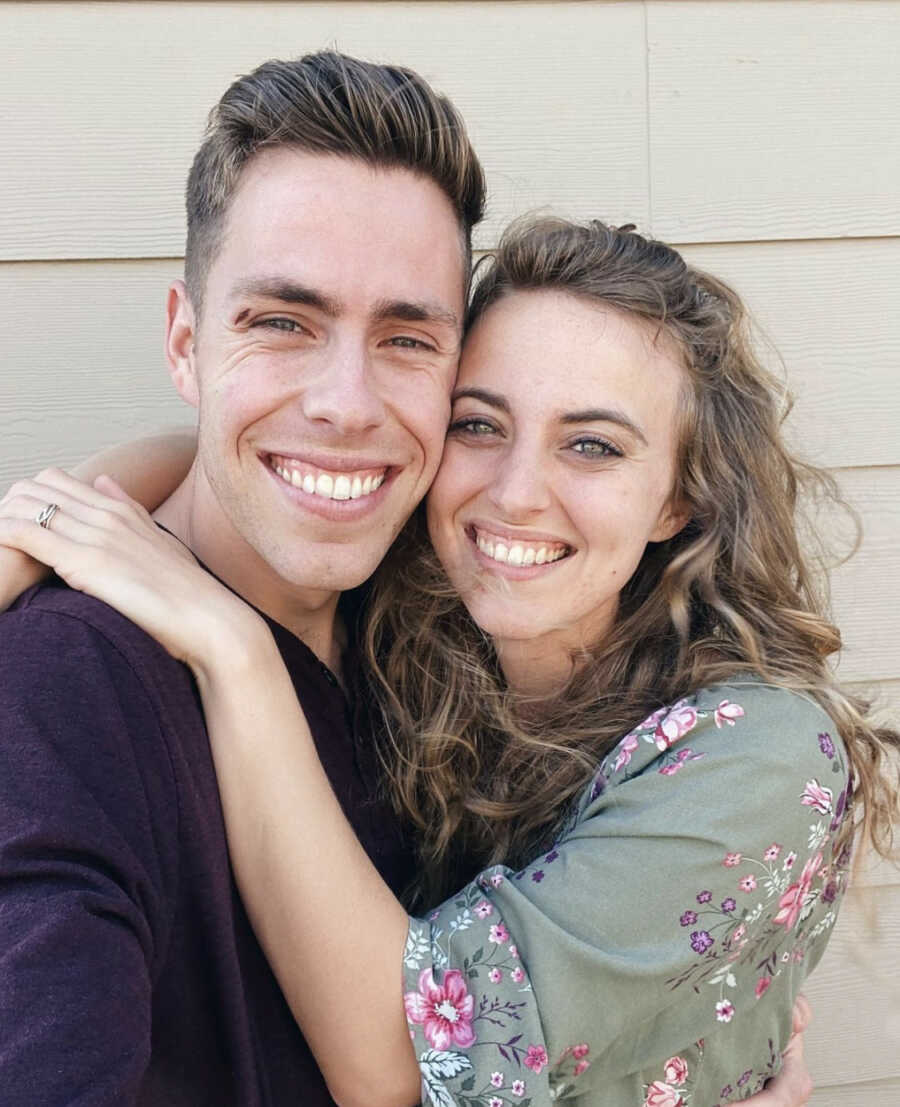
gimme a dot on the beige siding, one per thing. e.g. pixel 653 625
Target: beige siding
pixel 762 135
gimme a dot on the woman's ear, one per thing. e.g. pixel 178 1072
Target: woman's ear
pixel 674 517
pixel 181 323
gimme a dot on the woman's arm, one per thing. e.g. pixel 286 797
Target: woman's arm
pixel 149 469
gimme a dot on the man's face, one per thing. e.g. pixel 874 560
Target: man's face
pixel 322 366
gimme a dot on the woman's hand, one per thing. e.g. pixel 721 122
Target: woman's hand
pixel 102 542
pixel 793 1086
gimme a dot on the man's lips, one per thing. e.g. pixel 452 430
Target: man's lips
pixel 351 483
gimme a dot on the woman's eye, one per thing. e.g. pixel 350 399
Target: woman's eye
pixel 595 447
pixel 472 426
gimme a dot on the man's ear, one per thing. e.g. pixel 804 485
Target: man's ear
pixel 181 342
pixel 675 515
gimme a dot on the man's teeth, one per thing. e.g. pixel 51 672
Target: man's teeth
pixel 328 486
pixel 518 553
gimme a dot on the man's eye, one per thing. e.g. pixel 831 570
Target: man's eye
pixel 407 342
pixel 595 447
pixel 281 324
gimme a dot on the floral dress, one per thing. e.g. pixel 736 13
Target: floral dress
pixel 651 958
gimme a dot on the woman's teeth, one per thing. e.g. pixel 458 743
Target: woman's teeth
pixel 331 486
pixel 519 553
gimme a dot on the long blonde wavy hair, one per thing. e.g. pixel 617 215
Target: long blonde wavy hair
pixel 485 774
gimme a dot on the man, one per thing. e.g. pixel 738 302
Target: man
pixel 317 331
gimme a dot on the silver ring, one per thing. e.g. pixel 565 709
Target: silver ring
pixel 45 515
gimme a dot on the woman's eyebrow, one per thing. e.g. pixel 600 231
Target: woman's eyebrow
pixel 494 399
pixel 604 415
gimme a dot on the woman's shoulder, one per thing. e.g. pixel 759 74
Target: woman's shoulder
pixel 764 728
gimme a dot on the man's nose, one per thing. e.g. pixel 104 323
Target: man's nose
pixel 345 392
pixel 520 488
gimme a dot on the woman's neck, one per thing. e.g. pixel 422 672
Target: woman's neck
pixel 534 667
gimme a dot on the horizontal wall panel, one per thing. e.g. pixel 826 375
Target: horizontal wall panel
pixel 774 119
pixel 855 1034
pixel 829 309
pixel 864 589
pixel 106 105
pixel 876 1093
pixel 83 359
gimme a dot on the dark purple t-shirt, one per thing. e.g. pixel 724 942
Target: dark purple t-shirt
pixel 128 971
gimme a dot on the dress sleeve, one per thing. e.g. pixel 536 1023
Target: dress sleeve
pixel 652 956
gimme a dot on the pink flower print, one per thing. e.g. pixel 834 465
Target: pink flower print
pixel 535 1058
pixel 772 852
pixel 495 976
pixel 517 975
pixel 663 1095
pixel 497 1079
pixel 789 861
pixel 650 722
pixel 581 1066
pixel 483 909
pixel 739 932
pixel 732 860
pixel 496 880
pixel 581 1050
pixel 518 1087
pixel 728 712
pixel 791 903
pixel 626 748
pixel 671 770
pixel 445 1009
pixel 762 985
pixel 676 1070
pixel 680 720
pixel 495 1101
pixel 498 933
pixel 513 951
pixel 814 795
pixel 747 883
pixel 724 1011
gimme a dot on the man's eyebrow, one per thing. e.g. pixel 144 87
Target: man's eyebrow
pixel 494 399
pixel 604 415
pixel 287 292
pixel 416 312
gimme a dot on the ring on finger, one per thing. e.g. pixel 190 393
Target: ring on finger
pixel 45 516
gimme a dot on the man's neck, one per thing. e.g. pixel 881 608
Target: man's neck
pixel 199 522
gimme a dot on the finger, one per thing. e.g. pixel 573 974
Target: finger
pixel 802 1014
pixel 27 498
pixel 51 483
pixel 109 486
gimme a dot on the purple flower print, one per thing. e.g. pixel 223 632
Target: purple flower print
pixel 537 876
pixel 688 918
pixel 728 905
pixel 552 856
pixel 830 893
pixel 700 941
pixel 704 897
pixel 726 1091
pixel 744 1077
pixel 826 746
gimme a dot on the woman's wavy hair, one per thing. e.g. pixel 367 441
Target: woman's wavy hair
pixel 485 774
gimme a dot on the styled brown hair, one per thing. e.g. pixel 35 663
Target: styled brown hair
pixel 487 775
pixel 327 103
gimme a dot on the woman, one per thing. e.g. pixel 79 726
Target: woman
pixel 609 693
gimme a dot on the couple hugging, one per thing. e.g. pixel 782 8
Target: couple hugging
pixel 313 792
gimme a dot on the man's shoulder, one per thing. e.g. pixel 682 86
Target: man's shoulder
pixel 56 618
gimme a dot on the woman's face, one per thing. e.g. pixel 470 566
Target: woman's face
pixel 558 468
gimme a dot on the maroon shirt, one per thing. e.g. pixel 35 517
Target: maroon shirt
pixel 128 970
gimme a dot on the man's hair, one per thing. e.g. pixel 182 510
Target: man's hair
pixel 327 103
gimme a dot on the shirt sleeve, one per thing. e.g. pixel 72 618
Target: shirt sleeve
pixel 82 915
pixel 652 956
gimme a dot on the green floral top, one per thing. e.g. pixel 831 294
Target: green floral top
pixel 652 956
